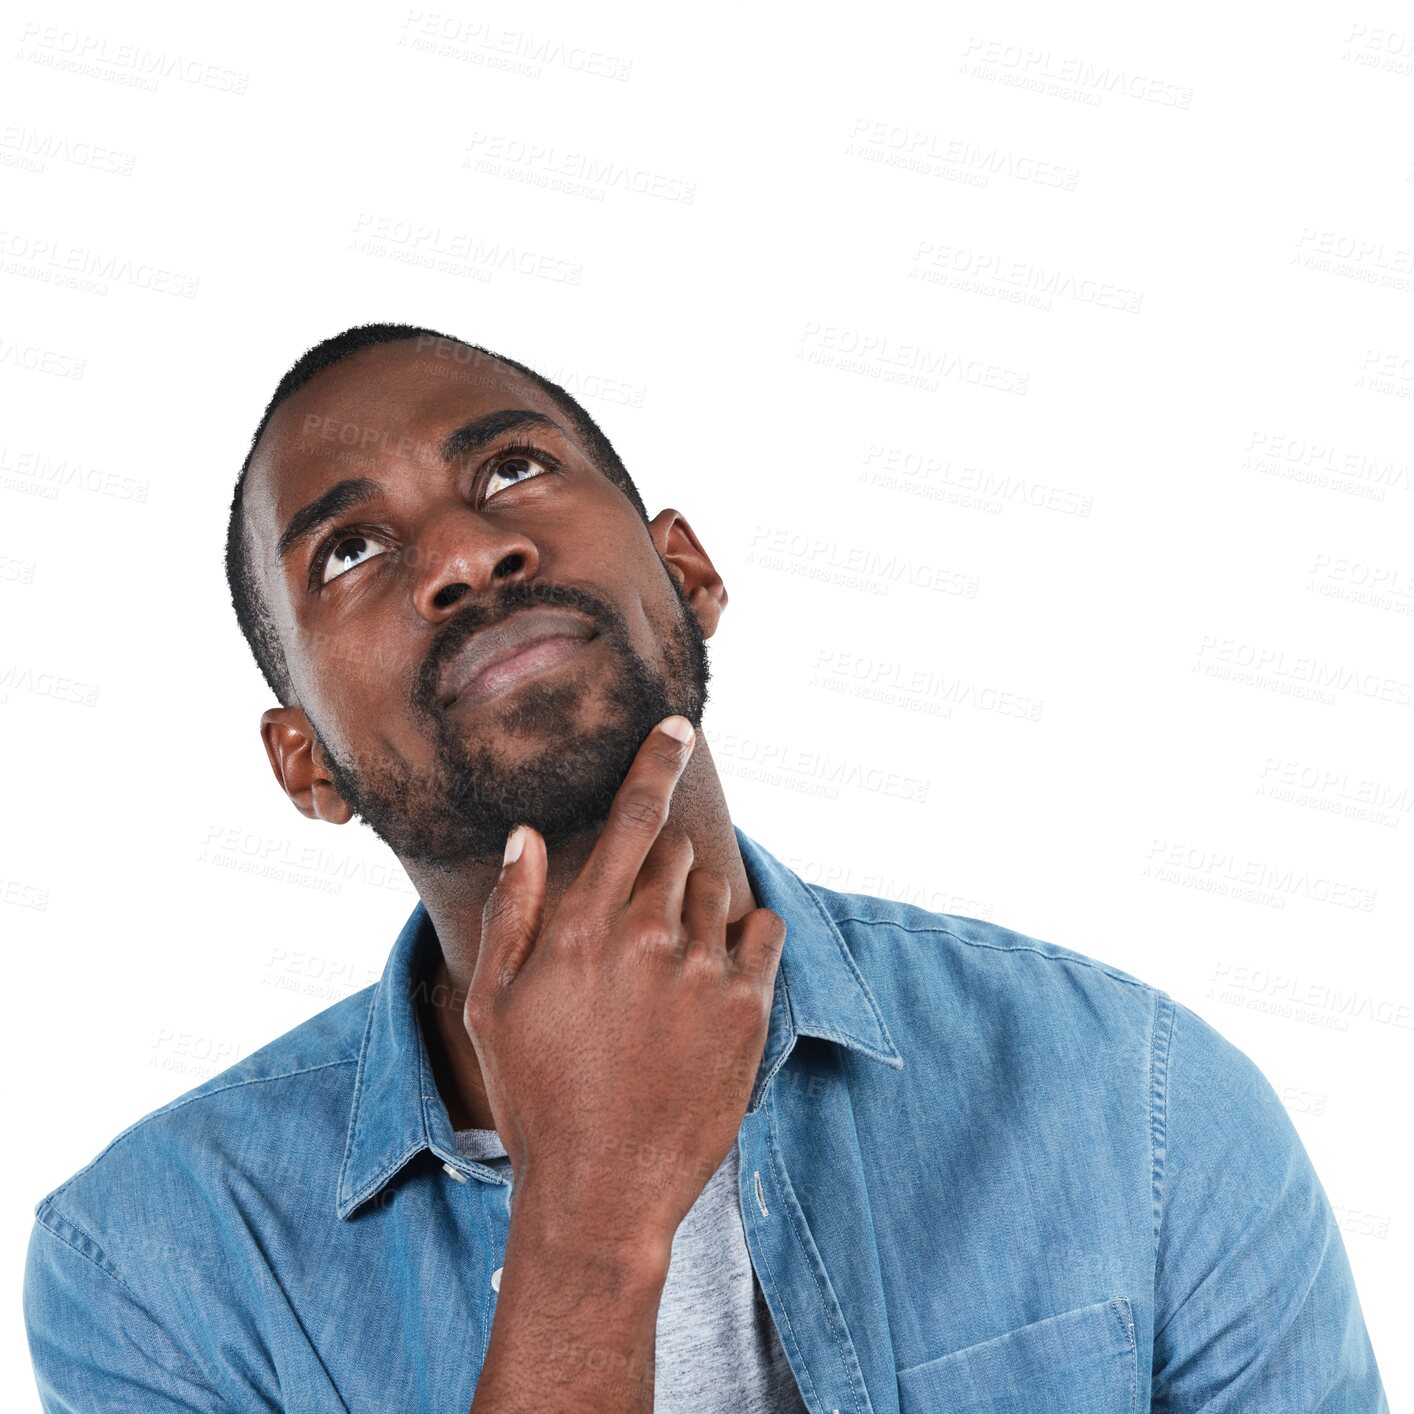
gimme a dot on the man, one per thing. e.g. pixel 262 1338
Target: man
pixel 636 1118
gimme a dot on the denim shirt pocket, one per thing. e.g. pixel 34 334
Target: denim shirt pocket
pixel 1082 1361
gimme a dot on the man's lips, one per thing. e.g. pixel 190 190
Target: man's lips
pixel 504 640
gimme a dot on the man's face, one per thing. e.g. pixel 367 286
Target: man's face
pixel 374 603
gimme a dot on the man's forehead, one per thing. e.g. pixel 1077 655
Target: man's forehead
pixel 388 403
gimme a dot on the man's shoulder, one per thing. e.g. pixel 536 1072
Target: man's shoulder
pixel 945 980
pixel 873 925
pixel 948 973
pixel 296 1087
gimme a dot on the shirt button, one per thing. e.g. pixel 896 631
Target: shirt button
pixel 496 1279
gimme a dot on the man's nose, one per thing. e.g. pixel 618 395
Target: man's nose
pixel 458 552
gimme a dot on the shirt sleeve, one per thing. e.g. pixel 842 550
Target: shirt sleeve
pixel 93 1343
pixel 1255 1304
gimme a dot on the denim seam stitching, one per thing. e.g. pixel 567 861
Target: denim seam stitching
pixel 791 1209
pixel 481 1217
pixel 105 1266
pixel 1161 1044
pixel 109 1270
pixel 997 947
pixel 175 1105
pixel 1119 1305
pixel 893 1052
pixel 789 1327
pixel 354 1109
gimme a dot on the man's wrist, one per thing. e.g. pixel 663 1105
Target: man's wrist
pixel 557 1236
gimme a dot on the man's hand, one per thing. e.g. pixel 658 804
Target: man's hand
pixel 619 1044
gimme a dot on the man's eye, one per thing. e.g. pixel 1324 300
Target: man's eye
pixel 514 465
pixel 348 551
pixel 345 553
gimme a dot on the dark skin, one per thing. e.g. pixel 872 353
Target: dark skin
pixel 444 787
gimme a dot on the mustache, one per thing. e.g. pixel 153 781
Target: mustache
pixel 476 617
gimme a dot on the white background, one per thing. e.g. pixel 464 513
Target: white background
pixel 1039 382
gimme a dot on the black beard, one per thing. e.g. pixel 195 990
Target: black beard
pixel 464 809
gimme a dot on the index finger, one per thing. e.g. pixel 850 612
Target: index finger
pixel 636 818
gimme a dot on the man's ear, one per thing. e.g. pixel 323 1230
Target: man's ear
pixel 300 765
pixel 689 566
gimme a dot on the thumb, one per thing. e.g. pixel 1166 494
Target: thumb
pixel 510 922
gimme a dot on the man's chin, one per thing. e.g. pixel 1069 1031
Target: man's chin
pixel 540 715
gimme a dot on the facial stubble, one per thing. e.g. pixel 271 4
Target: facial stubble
pixel 575 756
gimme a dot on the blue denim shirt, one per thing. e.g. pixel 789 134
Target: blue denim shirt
pixel 979 1172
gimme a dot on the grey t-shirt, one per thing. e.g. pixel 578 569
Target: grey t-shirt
pixel 716 1346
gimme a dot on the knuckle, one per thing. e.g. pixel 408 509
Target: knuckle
pixel 500 909
pixel 666 758
pixel 679 846
pixel 580 934
pixel 655 937
pixel 711 883
pixel 760 991
pixel 771 929
pixel 640 812
pixel 750 987
pixel 700 960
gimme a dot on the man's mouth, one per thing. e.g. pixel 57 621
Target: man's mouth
pixel 527 642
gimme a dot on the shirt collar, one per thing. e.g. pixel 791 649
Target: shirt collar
pixel 397 1111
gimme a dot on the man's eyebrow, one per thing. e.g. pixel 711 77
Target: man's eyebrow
pixel 345 495
pixel 341 497
pixel 473 435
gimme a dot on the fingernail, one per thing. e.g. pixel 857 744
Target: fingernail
pixel 515 842
pixel 678 727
